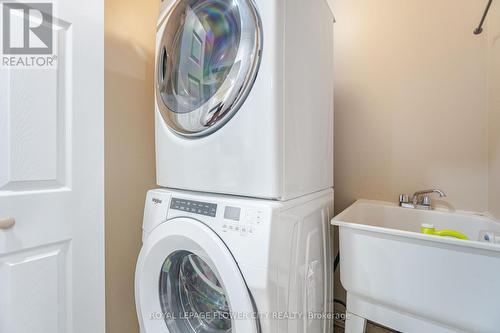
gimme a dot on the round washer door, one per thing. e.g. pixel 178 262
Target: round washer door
pixel 208 60
pixel 187 281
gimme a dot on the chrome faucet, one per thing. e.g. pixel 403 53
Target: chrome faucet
pixel 420 199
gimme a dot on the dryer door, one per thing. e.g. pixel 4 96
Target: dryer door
pixel 187 281
pixel 207 62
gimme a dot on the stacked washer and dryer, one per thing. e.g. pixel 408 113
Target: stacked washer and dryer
pixel 238 241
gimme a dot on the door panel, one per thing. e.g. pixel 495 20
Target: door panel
pixel 51 182
pixel 35 124
pixel 36 287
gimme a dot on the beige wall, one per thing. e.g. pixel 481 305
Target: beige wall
pixel 130 169
pixel 411 109
pixel 494 107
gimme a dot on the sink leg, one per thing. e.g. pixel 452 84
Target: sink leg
pixel 354 324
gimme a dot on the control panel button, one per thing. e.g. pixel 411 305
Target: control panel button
pixel 254 216
pixel 238 229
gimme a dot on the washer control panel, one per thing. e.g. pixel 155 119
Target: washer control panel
pixel 228 217
pixel 194 207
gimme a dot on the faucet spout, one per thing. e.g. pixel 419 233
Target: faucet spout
pixel 419 193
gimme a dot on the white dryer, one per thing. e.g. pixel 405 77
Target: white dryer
pixel 244 97
pixel 217 264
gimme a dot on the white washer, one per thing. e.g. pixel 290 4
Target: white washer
pixel 244 97
pixel 218 264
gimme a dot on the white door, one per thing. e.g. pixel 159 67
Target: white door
pixel 51 168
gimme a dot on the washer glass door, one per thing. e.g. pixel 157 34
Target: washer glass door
pixel 192 297
pixel 207 63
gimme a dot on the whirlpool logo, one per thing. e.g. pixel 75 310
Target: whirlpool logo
pixel 157 201
pixel 27 35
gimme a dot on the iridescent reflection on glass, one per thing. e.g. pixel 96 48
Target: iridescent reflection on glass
pixel 192 297
pixel 206 38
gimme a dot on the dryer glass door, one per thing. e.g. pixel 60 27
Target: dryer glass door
pixel 188 275
pixel 208 59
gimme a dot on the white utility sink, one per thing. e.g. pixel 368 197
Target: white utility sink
pixel 417 283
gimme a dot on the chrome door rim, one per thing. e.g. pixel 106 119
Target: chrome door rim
pixel 225 104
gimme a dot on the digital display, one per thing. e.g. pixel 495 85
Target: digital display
pixel 195 207
pixel 232 213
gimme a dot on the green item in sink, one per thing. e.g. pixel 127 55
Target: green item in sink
pixel 429 229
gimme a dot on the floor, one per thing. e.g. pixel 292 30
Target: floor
pixel 370 328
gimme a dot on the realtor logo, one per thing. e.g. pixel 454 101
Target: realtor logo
pixel 27 35
pixel 27 28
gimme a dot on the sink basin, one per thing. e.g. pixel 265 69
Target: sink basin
pixel 417 283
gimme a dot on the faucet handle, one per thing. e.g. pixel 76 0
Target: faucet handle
pixel 426 201
pixel 404 198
